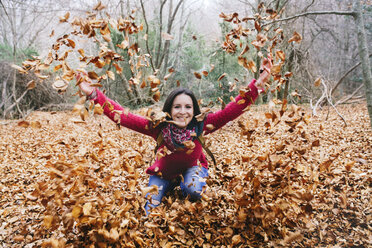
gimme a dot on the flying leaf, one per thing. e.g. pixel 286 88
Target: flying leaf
pixel 111 75
pixel 31 85
pixel 167 36
pixel 197 75
pixel 64 18
pixel 317 82
pixel 222 76
pixel 296 38
pixel 99 6
pixel 252 66
pixel 156 96
pixel 281 55
pixel 93 75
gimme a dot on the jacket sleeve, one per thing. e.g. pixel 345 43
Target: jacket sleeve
pixel 121 116
pixel 215 121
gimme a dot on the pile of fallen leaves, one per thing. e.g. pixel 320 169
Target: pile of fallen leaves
pixel 282 179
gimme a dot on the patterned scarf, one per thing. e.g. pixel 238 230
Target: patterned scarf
pixel 174 136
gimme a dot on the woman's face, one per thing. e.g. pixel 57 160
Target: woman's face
pixel 182 110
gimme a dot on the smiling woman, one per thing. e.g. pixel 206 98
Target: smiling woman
pixel 182 110
pixel 179 156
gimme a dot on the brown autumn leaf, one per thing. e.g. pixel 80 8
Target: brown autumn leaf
pixel 197 75
pixel 119 70
pixel 276 69
pixel 288 74
pixel 64 18
pixel 111 75
pixel 252 66
pixel 317 82
pixel 167 36
pixel 156 96
pixel 296 37
pixel 35 124
pixel 222 76
pixel 31 85
pixel 257 26
pixel 99 6
pixel 280 54
pixel 23 124
pixel 93 75
pixel 60 85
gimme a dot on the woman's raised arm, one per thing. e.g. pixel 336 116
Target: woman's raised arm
pixel 114 110
pixel 234 109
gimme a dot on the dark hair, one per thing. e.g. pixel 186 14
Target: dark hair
pixel 167 108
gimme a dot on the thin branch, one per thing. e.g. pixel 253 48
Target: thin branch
pixel 16 102
pixel 147 35
pixel 346 74
pixel 350 97
pixel 160 34
pixel 349 13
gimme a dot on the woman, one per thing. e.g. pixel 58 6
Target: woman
pixel 180 148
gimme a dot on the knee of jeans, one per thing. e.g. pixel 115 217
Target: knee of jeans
pixel 193 191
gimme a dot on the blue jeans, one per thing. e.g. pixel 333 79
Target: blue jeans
pixel 192 185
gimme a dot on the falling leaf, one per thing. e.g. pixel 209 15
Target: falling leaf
pixel 93 75
pixel 317 82
pixel 119 70
pixel 110 74
pixel 156 96
pixel 210 127
pixel 31 85
pixel 222 76
pixel 197 75
pixel 252 66
pixel 296 37
pixel 64 18
pixel 99 6
pixel 280 54
pixel 167 36
pixel 20 69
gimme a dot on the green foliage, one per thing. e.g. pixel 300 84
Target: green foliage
pixel 7 53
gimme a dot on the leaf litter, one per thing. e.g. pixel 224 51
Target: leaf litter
pixel 292 180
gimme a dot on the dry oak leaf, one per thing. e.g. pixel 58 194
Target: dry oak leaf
pixel 296 38
pixel 197 75
pixel 167 36
pixel 64 18
pixel 222 76
pixel 317 82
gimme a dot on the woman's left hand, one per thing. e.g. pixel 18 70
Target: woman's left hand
pixel 265 71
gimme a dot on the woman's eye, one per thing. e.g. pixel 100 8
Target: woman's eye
pixel 189 107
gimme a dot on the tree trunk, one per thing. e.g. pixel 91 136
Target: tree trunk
pixel 363 53
pixel 290 66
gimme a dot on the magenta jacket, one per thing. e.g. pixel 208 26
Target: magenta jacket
pixel 174 164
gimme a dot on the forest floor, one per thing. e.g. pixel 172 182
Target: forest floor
pixel 289 181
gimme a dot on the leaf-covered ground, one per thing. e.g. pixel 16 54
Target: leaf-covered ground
pixel 294 181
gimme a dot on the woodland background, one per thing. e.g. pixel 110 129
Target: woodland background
pixel 186 36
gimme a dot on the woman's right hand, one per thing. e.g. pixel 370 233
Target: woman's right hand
pixel 84 86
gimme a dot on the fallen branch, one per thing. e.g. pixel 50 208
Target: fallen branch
pixel 15 103
pixel 327 97
pixel 349 97
pixel 346 74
